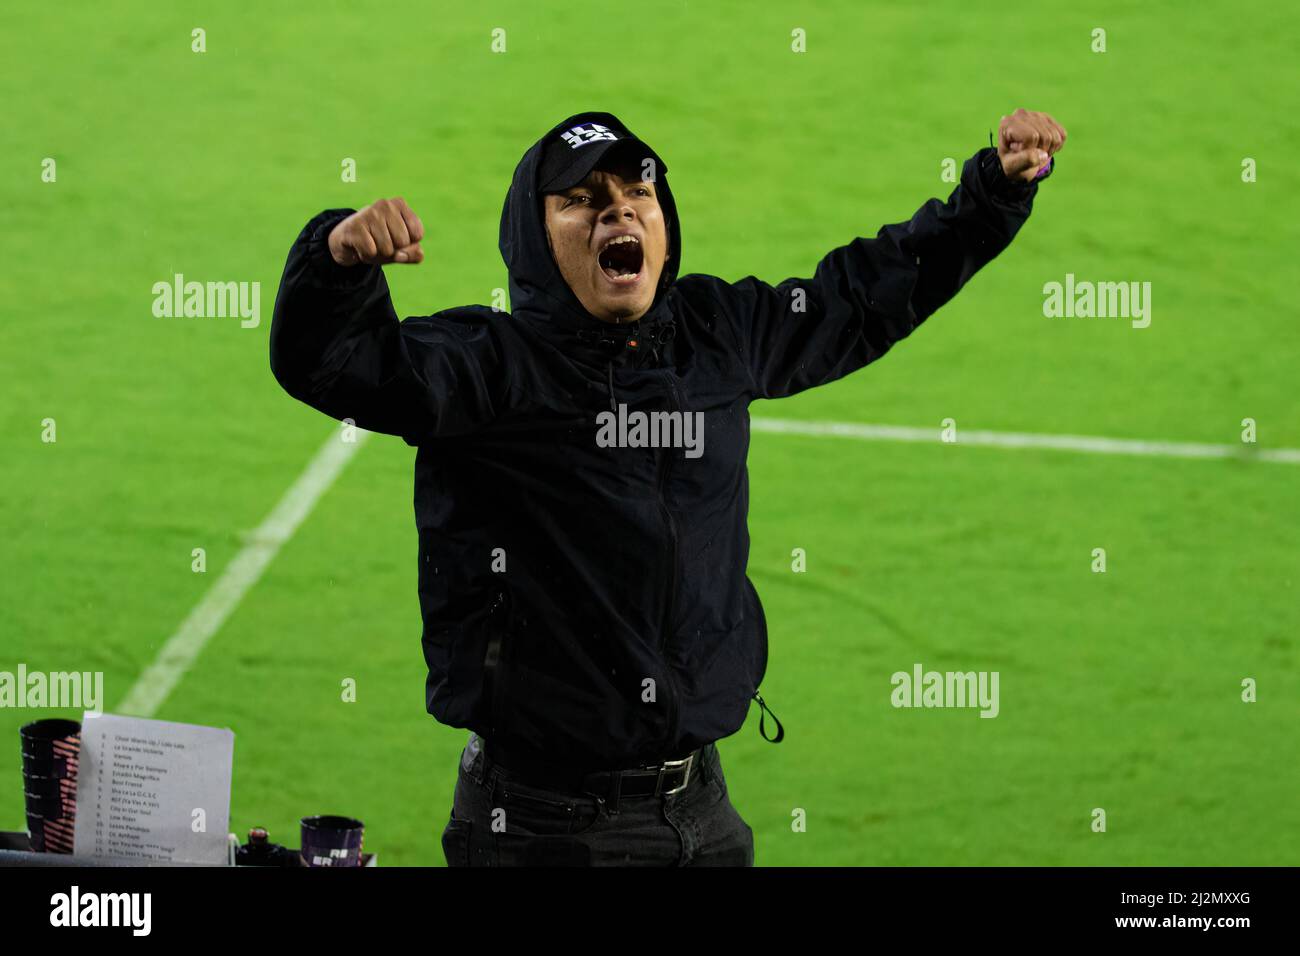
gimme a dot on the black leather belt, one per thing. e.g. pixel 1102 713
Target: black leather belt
pixel 649 780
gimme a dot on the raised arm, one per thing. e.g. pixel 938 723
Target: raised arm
pixel 870 293
pixel 337 345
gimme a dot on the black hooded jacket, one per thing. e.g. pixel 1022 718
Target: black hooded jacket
pixel 590 603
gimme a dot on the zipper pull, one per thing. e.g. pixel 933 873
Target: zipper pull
pixel 780 731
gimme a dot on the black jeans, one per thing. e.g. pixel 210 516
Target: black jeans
pixel 499 820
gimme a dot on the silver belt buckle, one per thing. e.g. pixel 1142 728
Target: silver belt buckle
pixel 671 765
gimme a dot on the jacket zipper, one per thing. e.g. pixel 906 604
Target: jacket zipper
pixel 671 604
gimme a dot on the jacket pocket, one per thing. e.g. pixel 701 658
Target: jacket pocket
pixel 455 842
pixel 539 812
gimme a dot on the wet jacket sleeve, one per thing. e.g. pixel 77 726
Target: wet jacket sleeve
pixel 337 345
pixel 867 295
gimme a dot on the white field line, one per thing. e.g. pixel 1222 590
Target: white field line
pixel 1076 443
pixel 175 657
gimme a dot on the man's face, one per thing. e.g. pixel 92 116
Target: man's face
pixel 608 238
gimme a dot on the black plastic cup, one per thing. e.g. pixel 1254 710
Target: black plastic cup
pixel 51 835
pixel 51 748
pixel 36 829
pixel 41 737
pixel 45 796
pixel 62 787
pixel 48 766
pixel 332 841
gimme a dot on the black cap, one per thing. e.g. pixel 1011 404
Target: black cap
pixel 573 153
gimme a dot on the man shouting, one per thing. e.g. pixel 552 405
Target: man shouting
pixel 581 493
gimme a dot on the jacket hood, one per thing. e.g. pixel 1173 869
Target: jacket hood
pixel 537 289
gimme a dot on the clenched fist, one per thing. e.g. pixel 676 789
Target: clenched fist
pixel 1026 143
pixel 385 231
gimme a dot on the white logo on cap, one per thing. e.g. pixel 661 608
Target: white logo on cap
pixel 587 133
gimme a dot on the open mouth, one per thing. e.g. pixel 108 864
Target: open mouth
pixel 621 258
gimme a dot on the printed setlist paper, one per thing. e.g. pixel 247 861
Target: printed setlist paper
pixel 153 790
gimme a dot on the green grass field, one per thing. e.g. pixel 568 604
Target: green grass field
pixel 1118 690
